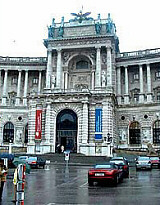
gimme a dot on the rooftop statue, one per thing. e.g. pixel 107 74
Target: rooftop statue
pixel 61 28
pixel 50 32
pixel 98 25
pixel 80 16
pixel 110 26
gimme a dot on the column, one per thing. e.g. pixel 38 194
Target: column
pixel 59 70
pixel 4 98
pixel 119 85
pixel 98 68
pixel 18 87
pixel 126 95
pixel 149 89
pixel 109 66
pixel 39 82
pixel 49 70
pixel 66 80
pixel 141 94
pixel 25 88
pixel 48 123
pixel 0 83
pixel 85 123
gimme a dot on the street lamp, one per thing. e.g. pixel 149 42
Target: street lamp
pixel 109 138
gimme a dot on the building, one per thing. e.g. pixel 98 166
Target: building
pixel 85 95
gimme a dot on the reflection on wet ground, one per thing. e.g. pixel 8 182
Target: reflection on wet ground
pixel 68 185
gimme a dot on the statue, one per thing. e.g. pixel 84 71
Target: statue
pixel 110 26
pixel 103 79
pixel 50 32
pixel 53 81
pixel 150 150
pixel 98 25
pixel 80 16
pixel 61 28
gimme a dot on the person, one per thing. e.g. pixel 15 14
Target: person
pixel 62 148
pixel 59 148
pixel 3 175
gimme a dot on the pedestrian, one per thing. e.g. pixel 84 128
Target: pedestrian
pixel 59 148
pixel 62 148
pixel 3 176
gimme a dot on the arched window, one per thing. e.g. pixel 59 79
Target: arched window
pixel 82 64
pixel 8 132
pixel 156 132
pixel 26 134
pixel 134 133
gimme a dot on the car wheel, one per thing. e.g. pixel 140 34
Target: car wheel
pixel 116 180
pixel 90 182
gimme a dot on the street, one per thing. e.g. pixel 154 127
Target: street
pixel 68 185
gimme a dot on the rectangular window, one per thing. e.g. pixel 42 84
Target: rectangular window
pixel 35 81
pixel 136 76
pixel 157 75
pixel 14 80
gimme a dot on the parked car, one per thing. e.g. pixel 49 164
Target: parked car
pixel 143 162
pixel 36 162
pixel 155 161
pixel 24 158
pixel 123 163
pixel 108 172
pixel 10 158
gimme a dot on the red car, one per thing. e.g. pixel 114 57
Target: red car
pixel 108 172
pixel 155 161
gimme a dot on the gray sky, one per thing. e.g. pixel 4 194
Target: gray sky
pixel 23 23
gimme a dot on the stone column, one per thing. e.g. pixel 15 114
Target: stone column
pixel 109 65
pixel 4 98
pixel 49 70
pixel 66 80
pixel 85 123
pixel 119 85
pixel 39 82
pixel 93 79
pixel 18 87
pixel 98 68
pixel 126 95
pixel 25 88
pixel 59 70
pixel 141 94
pixel 48 123
pixel 149 89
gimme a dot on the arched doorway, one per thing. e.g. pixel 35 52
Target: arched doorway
pixel 156 132
pixel 134 133
pixel 8 132
pixel 66 130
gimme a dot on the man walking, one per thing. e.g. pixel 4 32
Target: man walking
pixel 3 175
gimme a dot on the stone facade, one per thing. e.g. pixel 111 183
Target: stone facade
pixel 82 73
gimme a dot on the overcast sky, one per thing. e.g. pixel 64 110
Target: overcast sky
pixel 23 23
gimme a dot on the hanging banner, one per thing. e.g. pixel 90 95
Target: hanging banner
pixel 98 123
pixel 38 130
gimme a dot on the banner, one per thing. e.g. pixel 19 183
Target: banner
pixel 98 123
pixel 38 130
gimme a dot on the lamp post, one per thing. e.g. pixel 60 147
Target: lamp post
pixel 109 139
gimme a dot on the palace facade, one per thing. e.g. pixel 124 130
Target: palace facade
pixel 85 95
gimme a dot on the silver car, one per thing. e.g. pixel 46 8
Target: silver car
pixel 143 162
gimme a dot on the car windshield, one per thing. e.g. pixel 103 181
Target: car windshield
pixel 117 161
pixel 143 158
pixel 154 158
pixel 104 166
pixel 23 157
pixel 32 158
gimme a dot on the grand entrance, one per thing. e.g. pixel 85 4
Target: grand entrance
pixel 66 130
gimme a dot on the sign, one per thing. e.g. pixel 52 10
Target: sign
pixel 38 128
pixel 98 123
pixel 66 155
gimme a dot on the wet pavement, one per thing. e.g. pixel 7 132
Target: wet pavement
pixel 63 184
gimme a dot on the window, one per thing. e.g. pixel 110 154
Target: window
pixel 158 96
pixel 8 132
pixel 157 75
pixel 14 80
pixel 82 65
pixel 135 77
pixel 35 81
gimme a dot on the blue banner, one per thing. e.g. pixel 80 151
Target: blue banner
pixel 98 123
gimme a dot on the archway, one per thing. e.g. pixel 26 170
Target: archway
pixel 156 132
pixel 66 130
pixel 8 132
pixel 134 133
